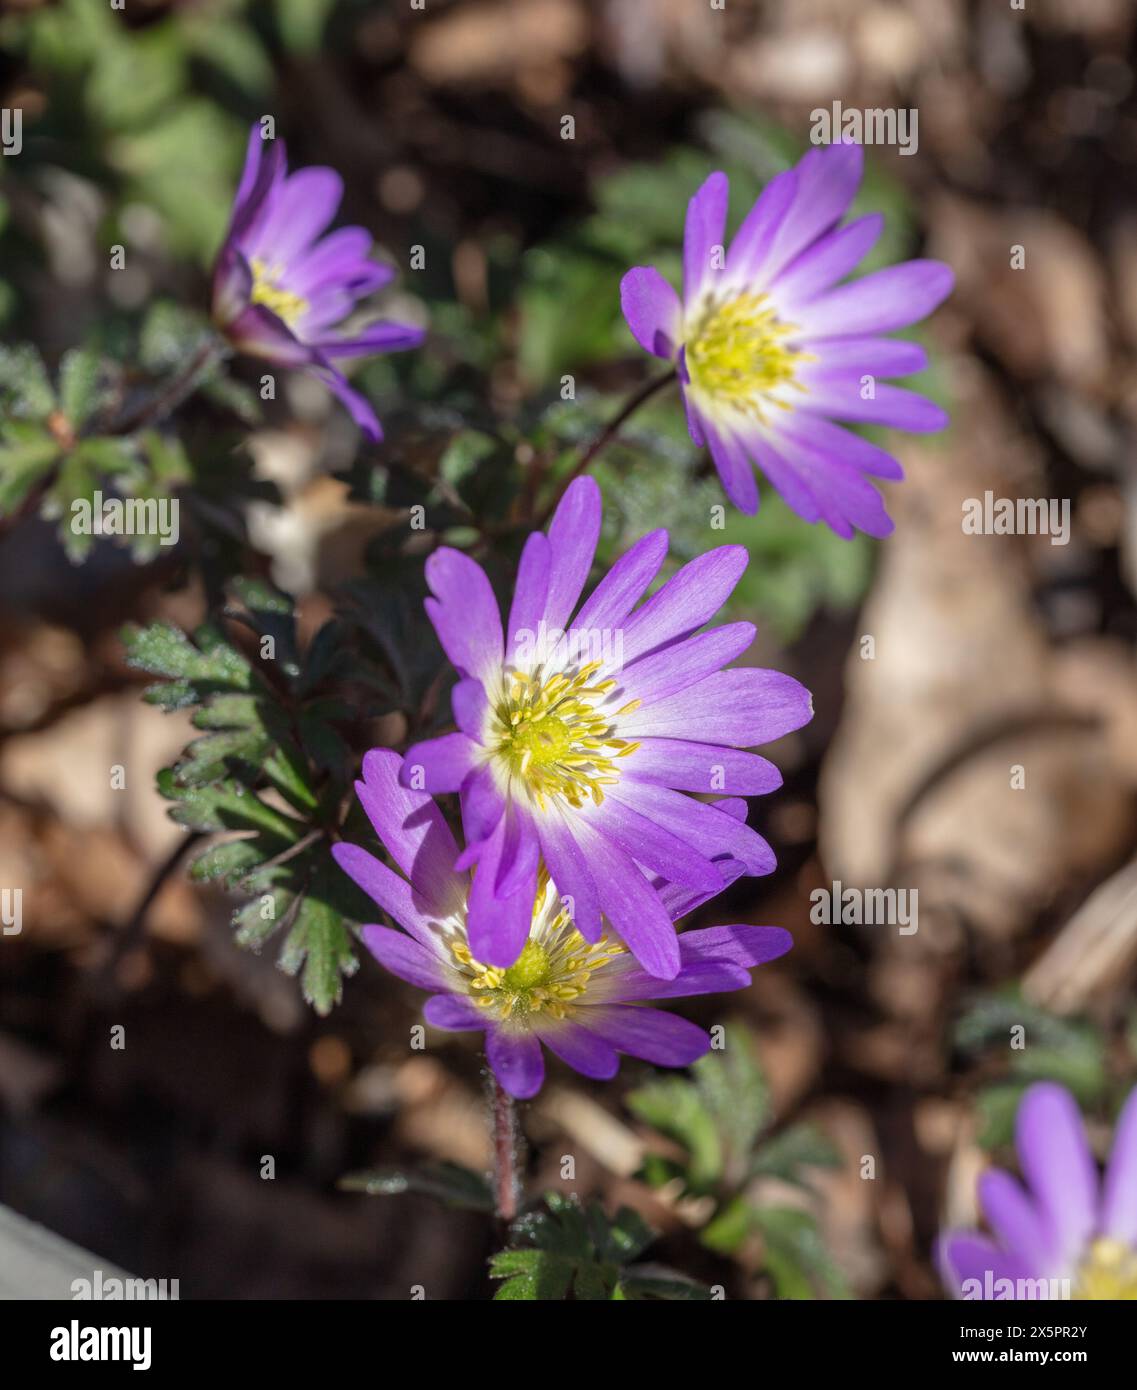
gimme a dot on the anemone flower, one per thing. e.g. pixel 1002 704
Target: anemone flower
pixel 280 287
pixel 1067 1234
pixel 583 1000
pixel 578 736
pixel 771 349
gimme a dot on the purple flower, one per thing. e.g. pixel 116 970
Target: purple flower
pixel 769 353
pixel 583 1000
pixel 280 288
pixel 1065 1235
pixel 575 747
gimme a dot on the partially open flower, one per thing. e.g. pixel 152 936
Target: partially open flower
pixel 281 288
pixel 583 1000
pixel 1066 1235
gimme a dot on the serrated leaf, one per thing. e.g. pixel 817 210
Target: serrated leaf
pixel 795 1254
pixel 227 806
pixel 80 371
pixel 27 456
pixel 24 379
pixel 319 947
pixel 674 1107
pixel 800 1146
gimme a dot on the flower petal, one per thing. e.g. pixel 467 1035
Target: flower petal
pixel 662 1038
pixel 732 463
pixel 622 587
pixel 744 706
pixel 634 983
pixel 568 868
pixel 1058 1165
pixel 411 826
pixel 741 945
pixel 651 310
pixel 703 235
pixel 407 959
pixel 465 614
pixel 662 850
pixel 456 1013
pixel 684 663
pixel 1119 1201
pixel 631 905
pixel 828 260
pixel 498 923
pixel 971 1263
pixel 746 259
pixel 440 764
pixel 701 767
pixel 392 893
pixel 515 1059
pixel 690 597
pixel 827 181
pixel 573 534
pixel 530 593
pixel 577 1046
pixel 877 303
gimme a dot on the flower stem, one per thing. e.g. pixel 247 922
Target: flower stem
pixel 171 395
pixel 611 429
pixel 505 1140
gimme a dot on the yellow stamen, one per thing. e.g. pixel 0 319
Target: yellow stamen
pixel 552 974
pixel 553 735
pixel 736 354
pixel 285 304
pixel 1109 1272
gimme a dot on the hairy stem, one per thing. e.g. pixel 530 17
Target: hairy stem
pixel 171 395
pixel 505 1142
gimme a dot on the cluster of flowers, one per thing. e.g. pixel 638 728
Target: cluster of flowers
pixel 583 842
pixel 586 730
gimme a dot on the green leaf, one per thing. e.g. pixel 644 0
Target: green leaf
pixel 24 378
pixel 571 1249
pixel 194 672
pixel 226 806
pixel 532 1274
pixel 800 1146
pixel 675 1108
pixel 319 945
pixel 79 384
pixel 301 22
pixel 27 455
pixel 795 1254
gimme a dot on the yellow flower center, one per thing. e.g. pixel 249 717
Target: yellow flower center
pixel 1109 1272
pixel 549 975
pixel 283 303
pixel 552 735
pixel 736 353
